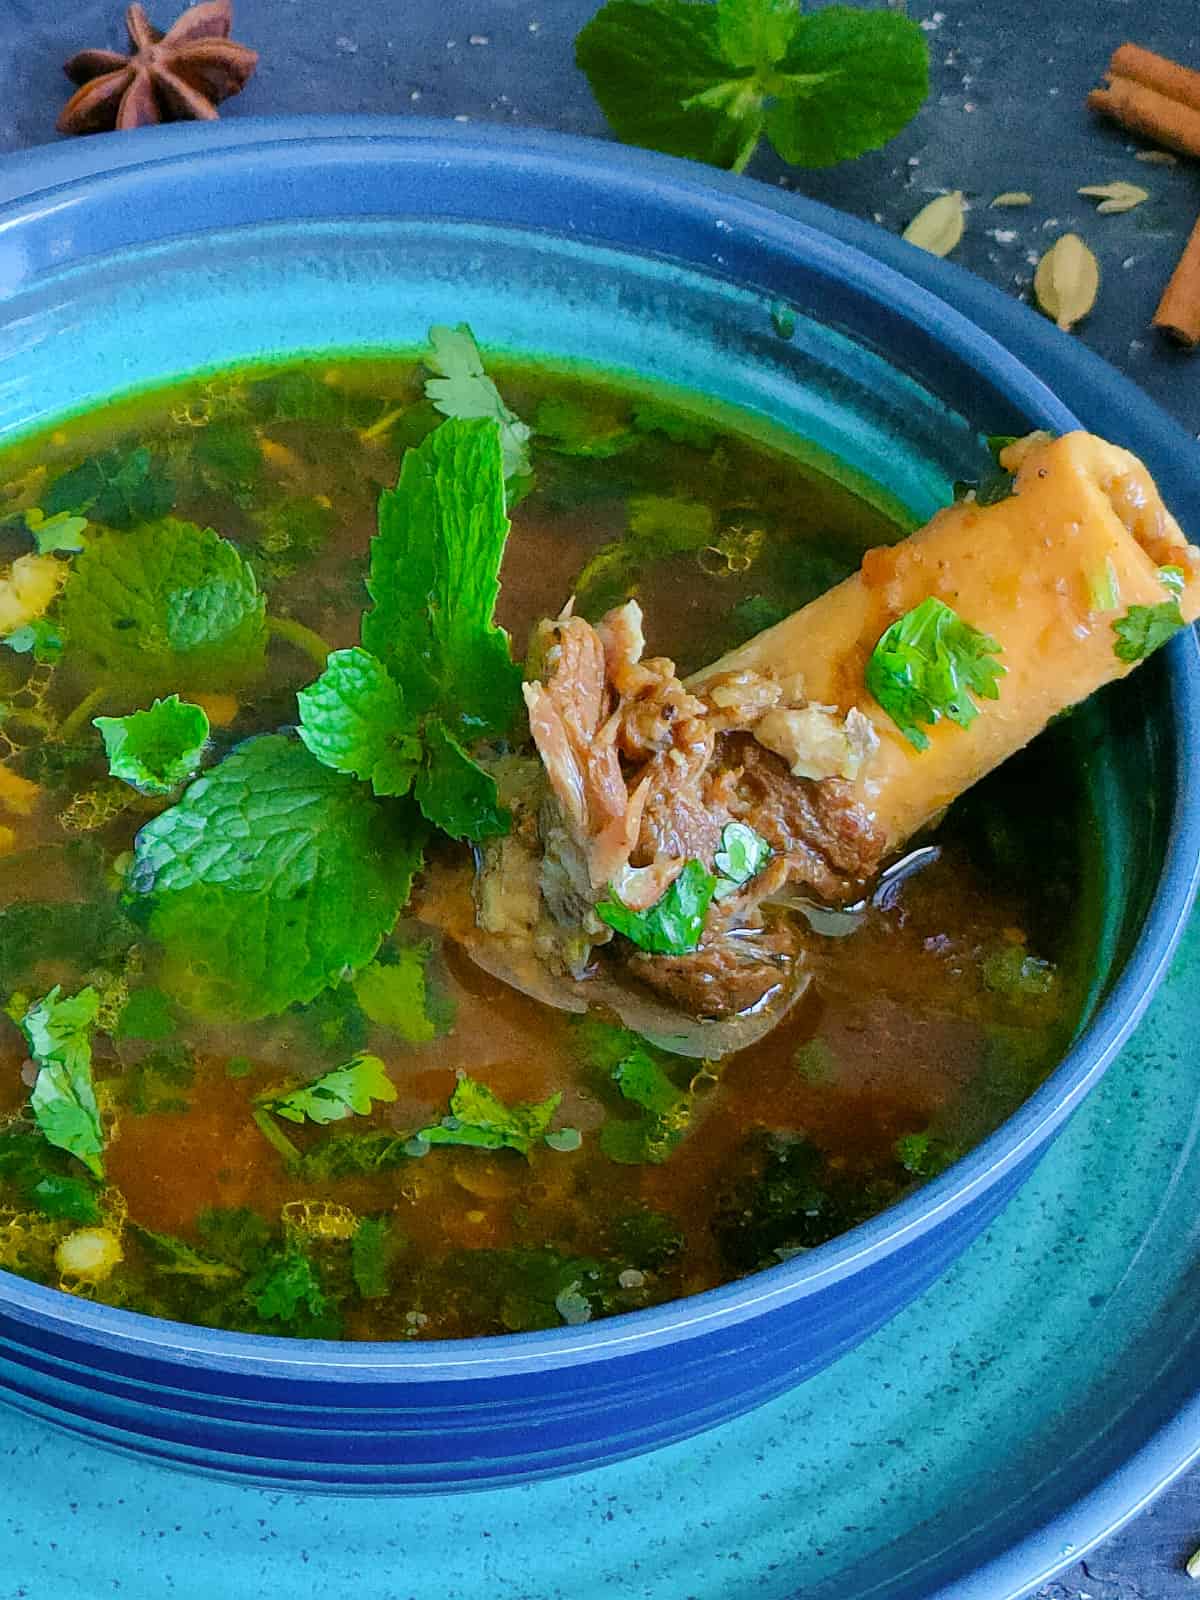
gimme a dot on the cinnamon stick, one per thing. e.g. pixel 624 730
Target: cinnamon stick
pixel 1156 72
pixel 1178 313
pixel 1154 115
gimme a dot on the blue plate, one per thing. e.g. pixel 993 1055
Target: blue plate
pixel 1016 1413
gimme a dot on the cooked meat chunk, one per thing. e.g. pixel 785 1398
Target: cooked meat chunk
pixel 828 838
pixel 734 971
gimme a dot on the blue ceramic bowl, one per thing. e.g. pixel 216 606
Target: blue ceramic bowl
pixel 130 259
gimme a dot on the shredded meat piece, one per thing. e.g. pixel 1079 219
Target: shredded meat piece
pixel 569 717
pixel 644 777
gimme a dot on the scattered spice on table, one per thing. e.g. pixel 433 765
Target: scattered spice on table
pixel 181 75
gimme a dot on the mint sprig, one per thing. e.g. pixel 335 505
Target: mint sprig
pixel 708 81
pixel 434 673
pixel 158 749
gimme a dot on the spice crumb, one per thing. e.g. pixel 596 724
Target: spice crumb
pixel 1157 158
pixel 461 117
pixel 479 38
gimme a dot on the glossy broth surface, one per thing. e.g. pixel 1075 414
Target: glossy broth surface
pixel 944 1003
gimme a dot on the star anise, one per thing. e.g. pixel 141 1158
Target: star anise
pixel 169 77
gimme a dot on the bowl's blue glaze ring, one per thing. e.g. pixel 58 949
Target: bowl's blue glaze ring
pixel 126 259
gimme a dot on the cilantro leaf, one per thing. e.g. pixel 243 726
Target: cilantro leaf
pixel 178 1258
pixel 659 526
pixel 462 389
pixel 165 605
pixel 346 1091
pixel 927 665
pixel 40 1177
pixel 707 81
pixel 479 1117
pixel 289 1289
pixel 234 1234
pixel 64 1098
pixel 59 532
pixel 269 878
pixel 353 719
pixel 666 1110
pixel 398 991
pixel 1145 629
pixel 347 1155
pixel 371 1252
pixel 571 428
pixel 434 580
pixel 673 925
pixel 158 749
pixel 115 488
pixel 742 856
pixel 41 637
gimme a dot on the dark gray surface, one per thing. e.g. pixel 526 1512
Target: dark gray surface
pixel 1006 112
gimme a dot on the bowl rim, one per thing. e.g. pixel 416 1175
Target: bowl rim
pixel 1008 334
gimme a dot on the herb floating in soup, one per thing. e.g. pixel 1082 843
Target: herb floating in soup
pixel 364 982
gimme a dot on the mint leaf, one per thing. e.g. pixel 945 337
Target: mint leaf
pixel 455 793
pixel 59 532
pixel 850 81
pixel 672 926
pixel 742 856
pixel 462 389
pixel 158 749
pixel 354 720
pixel 434 580
pixel 707 81
pixel 658 72
pixel 480 1118
pixel 345 1092
pixel 64 1098
pixel 927 665
pixel 755 33
pixel 169 604
pixel 115 488
pixel 41 637
pixel 269 878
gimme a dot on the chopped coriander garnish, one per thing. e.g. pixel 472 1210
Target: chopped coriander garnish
pixel 1173 579
pixel 1145 629
pixel 927 666
pixel 462 389
pixel 673 925
pixel 479 1117
pixel 347 1091
pixel 1104 588
pixel 742 856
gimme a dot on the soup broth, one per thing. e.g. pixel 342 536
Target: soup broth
pixel 932 1011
